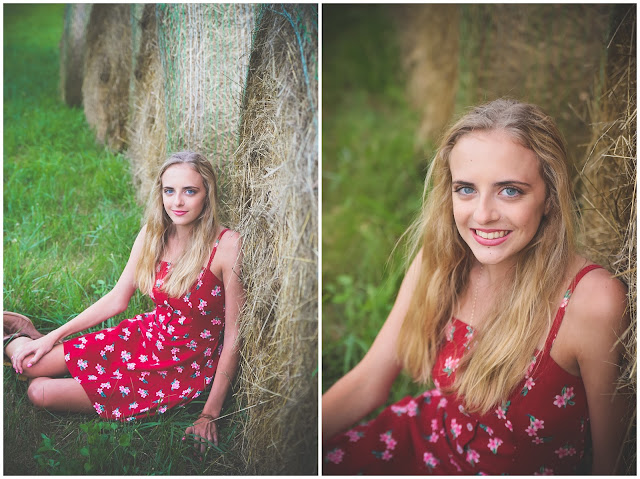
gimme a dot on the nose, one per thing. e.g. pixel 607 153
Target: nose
pixel 485 211
pixel 179 199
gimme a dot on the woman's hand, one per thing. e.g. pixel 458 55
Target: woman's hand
pixel 37 347
pixel 204 429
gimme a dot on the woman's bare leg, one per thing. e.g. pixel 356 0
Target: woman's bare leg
pixel 47 391
pixel 59 394
pixel 50 365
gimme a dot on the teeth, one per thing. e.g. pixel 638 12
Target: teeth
pixel 492 235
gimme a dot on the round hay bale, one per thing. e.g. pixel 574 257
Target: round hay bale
pixel 275 208
pixel 147 130
pixel 541 53
pixel 204 49
pixel 428 37
pixel 105 87
pixel 72 51
pixel 607 185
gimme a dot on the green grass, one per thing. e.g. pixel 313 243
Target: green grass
pixel 372 183
pixel 70 219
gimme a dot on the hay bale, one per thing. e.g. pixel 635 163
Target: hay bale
pixel 607 184
pixel 274 178
pixel 72 51
pixel 147 130
pixel 545 54
pixel 428 37
pixel 204 49
pixel 105 87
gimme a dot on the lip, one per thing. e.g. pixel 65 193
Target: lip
pixel 178 213
pixel 489 242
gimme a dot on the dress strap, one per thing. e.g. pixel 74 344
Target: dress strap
pixel 563 306
pixel 215 247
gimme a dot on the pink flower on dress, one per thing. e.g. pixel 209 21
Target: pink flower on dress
pixel 508 425
pixel 335 456
pixel 216 291
pixel 501 413
pixel 472 457
pixel 391 443
pixel 412 408
pixel 529 383
pixel 430 460
pixel 386 455
pixel 566 398
pixel 449 331
pixel 567 450
pixel 494 444
pixel 354 436
pixel 98 407
pixel 537 423
pixel 456 428
pixel 450 365
pixel 442 403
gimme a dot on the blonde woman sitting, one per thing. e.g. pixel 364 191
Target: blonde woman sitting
pixel 188 263
pixel 517 332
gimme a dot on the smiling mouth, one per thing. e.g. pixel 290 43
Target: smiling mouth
pixel 491 235
pixel 179 213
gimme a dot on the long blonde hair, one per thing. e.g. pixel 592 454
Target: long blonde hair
pixel 506 344
pixel 159 227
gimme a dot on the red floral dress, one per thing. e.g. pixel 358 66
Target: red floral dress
pixel 541 429
pixel 157 360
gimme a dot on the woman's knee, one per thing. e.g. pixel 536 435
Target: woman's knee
pixel 36 392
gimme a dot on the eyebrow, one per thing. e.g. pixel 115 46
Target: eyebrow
pixel 499 183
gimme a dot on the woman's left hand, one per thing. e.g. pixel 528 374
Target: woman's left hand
pixel 204 429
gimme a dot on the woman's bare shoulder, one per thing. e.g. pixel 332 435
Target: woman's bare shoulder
pixel 599 304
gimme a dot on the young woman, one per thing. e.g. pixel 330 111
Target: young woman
pixel 189 264
pixel 517 332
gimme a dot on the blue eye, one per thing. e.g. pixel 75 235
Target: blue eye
pixel 511 192
pixel 465 190
pixel 190 192
pixel 168 191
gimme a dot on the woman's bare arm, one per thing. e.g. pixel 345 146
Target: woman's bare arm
pixel 367 385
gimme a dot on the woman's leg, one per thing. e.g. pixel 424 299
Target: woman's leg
pixel 47 391
pixel 51 364
pixel 59 394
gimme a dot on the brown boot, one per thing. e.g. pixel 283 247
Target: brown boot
pixel 16 325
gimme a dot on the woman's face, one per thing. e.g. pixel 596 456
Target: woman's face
pixel 498 195
pixel 183 194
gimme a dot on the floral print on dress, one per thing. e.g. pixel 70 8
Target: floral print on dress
pixel 539 429
pixel 142 358
pixel 565 398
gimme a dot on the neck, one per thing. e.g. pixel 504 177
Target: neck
pixel 182 233
pixel 496 273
